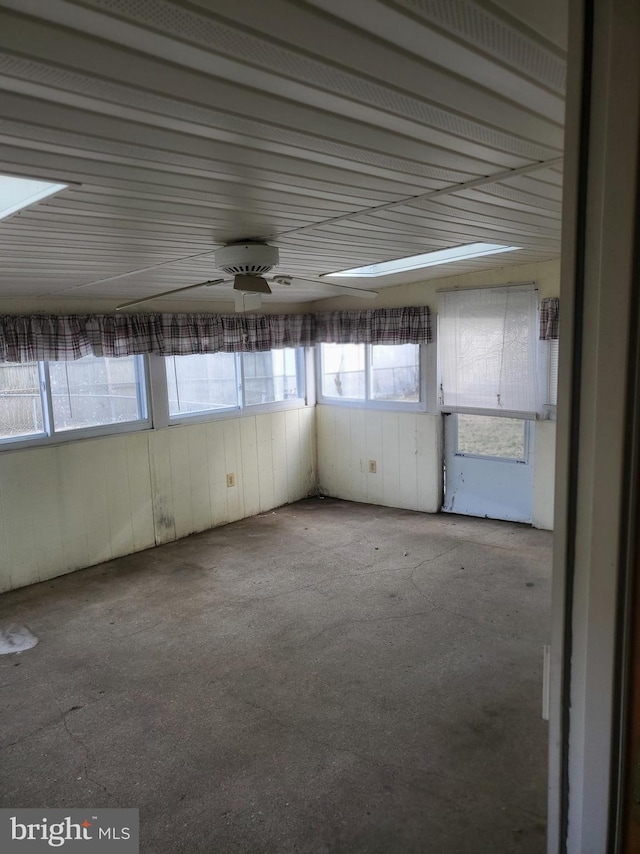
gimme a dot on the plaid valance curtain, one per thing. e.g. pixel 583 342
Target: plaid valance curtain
pixel 378 326
pixel 549 318
pixel 32 338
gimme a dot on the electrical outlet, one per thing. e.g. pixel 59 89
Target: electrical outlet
pixel 231 479
pixel 372 467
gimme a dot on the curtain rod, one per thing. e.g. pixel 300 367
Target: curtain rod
pixel 487 287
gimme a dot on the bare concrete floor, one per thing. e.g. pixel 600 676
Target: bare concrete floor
pixel 329 677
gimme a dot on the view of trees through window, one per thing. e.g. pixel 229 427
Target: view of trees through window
pixel 393 372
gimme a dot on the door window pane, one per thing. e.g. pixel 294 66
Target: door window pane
pixel 20 402
pixel 489 436
pixel 343 372
pixel 201 383
pixel 93 391
pixel 270 376
pixel 395 372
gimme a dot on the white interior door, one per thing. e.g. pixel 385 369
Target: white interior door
pixel 488 466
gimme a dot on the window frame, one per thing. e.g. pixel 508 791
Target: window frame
pixel 368 402
pixel 51 436
pixel 165 418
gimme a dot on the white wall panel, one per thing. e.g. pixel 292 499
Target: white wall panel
pixel 390 473
pixel 73 505
pixel 20 554
pixel 199 478
pixel 264 453
pixel 233 465
pixel 216 472
pixel 115 486
pixel 408 443
pixel 249 461
pixel 405 445
pixel 373 451
pixel 135 449
pixel 70 499
pixel 46 517
pixel 308 448
pixel 279 457
pixel 180 482
pixel 292 440
pixel 159 462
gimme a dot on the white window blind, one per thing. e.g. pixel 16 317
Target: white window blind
pixel 552 372
pixel 487 346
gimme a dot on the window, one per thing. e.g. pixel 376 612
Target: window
pixel 343 371
pixel 371 373
pixel 46 399
pixel 201 383
pixel 270 377
pixel 488 436
pixel 395 372
pixel 216 382
pixel 20 403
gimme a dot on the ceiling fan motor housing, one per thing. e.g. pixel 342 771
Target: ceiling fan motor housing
pixel 247 259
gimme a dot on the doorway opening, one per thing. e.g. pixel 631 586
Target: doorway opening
pixel 488 466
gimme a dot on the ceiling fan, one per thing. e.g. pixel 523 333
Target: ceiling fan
pixel 247 263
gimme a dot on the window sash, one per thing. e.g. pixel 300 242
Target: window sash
pixel 242 380
pixel 50 432
pixel 355 378
pixel 368 397
pixel 198 407
pixel 21 410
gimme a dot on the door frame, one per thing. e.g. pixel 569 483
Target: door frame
pixel 519 467
pixel 597 431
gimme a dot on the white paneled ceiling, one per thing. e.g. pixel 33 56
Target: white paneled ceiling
pixel 345 132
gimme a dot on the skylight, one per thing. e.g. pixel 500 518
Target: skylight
pixel 427 259
pixel 19 193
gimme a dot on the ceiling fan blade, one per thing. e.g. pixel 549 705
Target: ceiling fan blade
pixel 166 293
pixel 251 284
pixel 327 287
